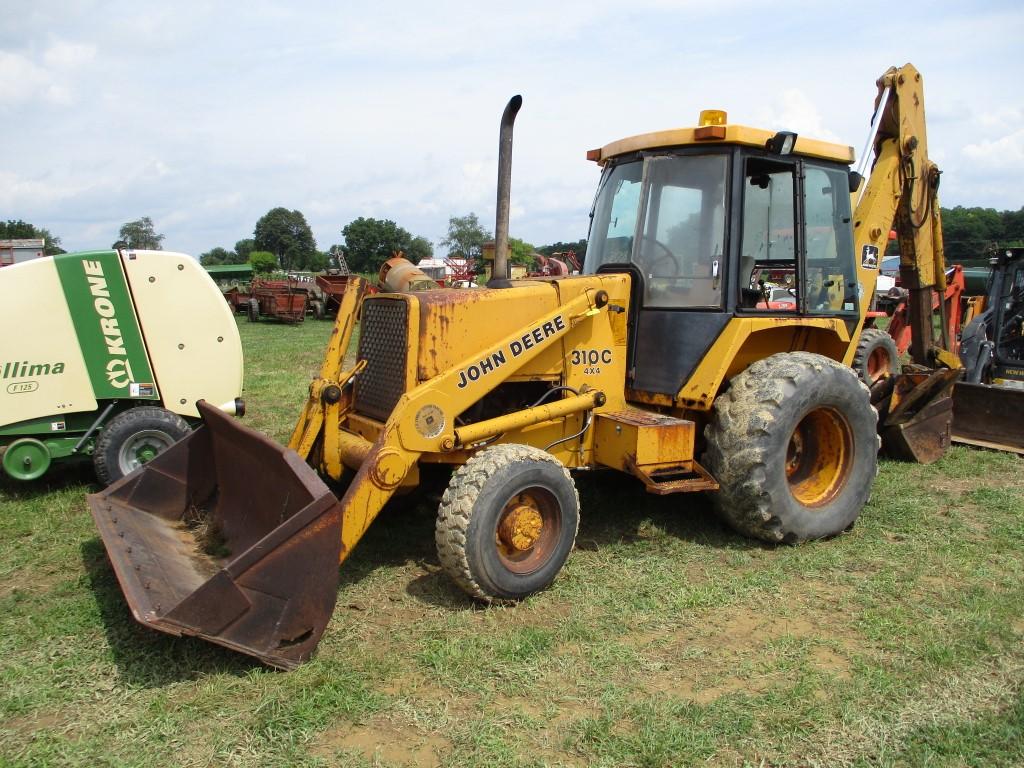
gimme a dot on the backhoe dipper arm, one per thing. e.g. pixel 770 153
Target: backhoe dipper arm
pixel 902 192
pixel 404 438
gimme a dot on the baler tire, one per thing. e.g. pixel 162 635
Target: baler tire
pixel 146 425
pixel 876 356
pixel 253 311
pixel 476 521
pixel 793 445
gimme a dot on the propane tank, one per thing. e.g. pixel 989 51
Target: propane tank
pixel 398 275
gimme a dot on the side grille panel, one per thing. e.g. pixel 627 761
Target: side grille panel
pixel 384 344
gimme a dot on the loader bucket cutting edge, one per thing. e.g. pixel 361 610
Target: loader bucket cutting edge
pixel 228 537
pixel 989 417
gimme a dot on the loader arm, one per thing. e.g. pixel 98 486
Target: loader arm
pixel 388 460
pixel 325 390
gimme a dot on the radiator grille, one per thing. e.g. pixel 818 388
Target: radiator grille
pixel 384 345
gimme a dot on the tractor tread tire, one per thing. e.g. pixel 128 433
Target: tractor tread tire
pixel 122 427
pixel 870 340
pixel 747 440
pixel 457 509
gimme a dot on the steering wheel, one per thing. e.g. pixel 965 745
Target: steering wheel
pixel 666 256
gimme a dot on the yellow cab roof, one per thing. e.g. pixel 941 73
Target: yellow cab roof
pixel 718 134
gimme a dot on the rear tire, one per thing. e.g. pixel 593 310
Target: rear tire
pixel 507 522
pixel 793 446
pixel 134 437
pixel 318 310
pixel 253 310
pixel 876 356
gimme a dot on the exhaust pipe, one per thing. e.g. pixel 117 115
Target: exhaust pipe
pixel 508 118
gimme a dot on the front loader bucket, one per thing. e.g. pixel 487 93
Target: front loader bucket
pixel 229 537
pixel 989 416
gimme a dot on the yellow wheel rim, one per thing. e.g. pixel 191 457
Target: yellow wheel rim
pixel 819 457
pixel 527 530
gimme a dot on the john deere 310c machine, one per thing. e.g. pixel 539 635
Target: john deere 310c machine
pixel 666 360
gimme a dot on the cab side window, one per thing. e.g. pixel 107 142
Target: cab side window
pixel 830 268
pixel 768 250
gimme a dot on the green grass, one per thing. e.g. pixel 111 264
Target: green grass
pixel 668 640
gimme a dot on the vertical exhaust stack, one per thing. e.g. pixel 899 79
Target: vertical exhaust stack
pixel 508 118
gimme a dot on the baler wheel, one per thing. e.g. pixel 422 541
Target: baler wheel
pixel 133 438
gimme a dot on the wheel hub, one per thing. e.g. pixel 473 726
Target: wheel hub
pixel 522 524
pixel 142 448
pixel 879 364
pixel 819 457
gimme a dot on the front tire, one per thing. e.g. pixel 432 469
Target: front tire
pixel 134 437
pixel 253 311
pixel 507 522
pixel 793 445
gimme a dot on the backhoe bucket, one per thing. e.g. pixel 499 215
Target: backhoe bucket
pixel 989 416
pixel 229 537
pixel 916 414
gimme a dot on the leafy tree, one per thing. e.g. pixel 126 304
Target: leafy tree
pixel 216 256
pixel 580 247
pixel 242 250
pixel 22 230
pixel 371 242
pixel 139 235
pixel 263 262
pixel 317 262
pixel 419 248
pixel 466 237
pixel 285 234
pixel 1013 227
pixel 520 252
pixel 968 233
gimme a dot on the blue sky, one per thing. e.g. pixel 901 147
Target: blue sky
pixel 204 116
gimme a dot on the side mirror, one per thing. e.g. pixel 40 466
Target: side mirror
pixel 855 180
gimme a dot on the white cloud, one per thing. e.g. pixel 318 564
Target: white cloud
pixel 23 80
pixel 65 55
pixel 1004 154
pixel 793 110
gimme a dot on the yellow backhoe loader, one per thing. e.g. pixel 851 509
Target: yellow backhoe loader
pixel 670 359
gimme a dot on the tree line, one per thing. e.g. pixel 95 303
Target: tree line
pixel 971 234
pixel 283 240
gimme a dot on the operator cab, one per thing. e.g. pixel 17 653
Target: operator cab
pixel 716 222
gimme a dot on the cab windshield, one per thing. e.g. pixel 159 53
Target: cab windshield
pixel 666 215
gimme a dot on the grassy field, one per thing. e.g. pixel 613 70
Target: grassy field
pixel 667 641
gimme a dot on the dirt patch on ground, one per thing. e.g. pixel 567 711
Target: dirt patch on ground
pixel 38 582
pixel 387 741
pixel 25 725
pixel 731 650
